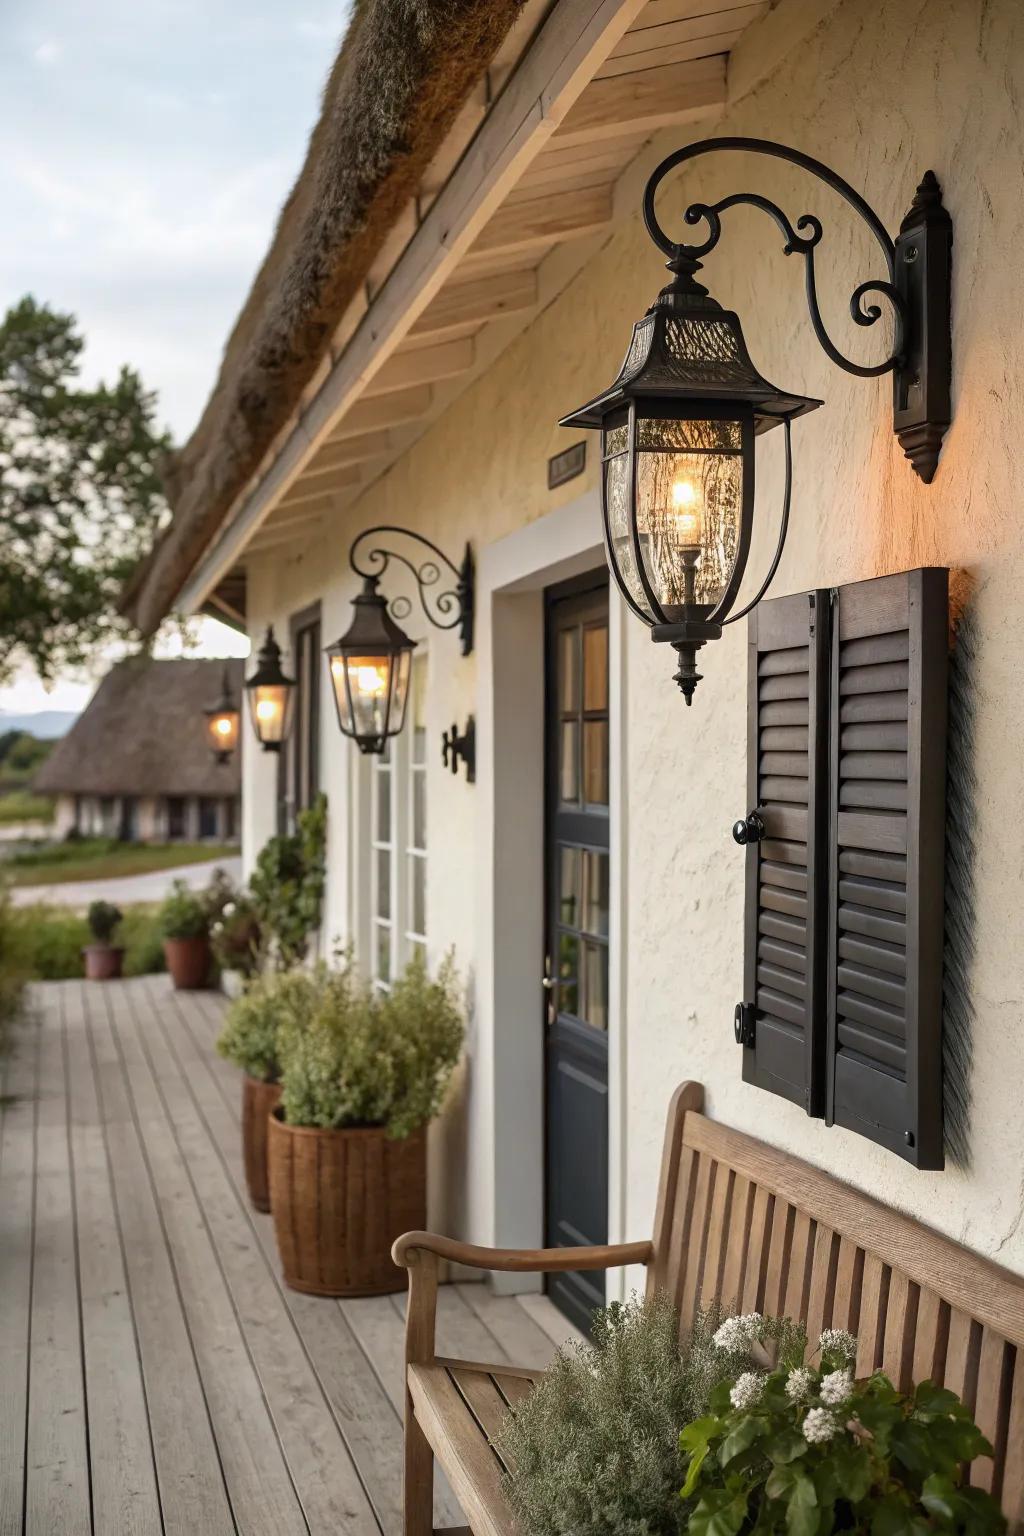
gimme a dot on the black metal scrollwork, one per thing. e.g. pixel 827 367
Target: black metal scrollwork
pixel 449 607
pixel 802 240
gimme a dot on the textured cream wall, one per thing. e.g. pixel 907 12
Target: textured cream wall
pixel 881 91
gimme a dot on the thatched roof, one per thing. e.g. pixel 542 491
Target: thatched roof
pixel 142 733
pixel 405 69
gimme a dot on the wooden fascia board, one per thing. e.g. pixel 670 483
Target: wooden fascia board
pixel 572 44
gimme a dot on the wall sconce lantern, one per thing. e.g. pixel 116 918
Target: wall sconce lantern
pixel 678 423
pixel 370 663
pixel 271 696
pixel 222 721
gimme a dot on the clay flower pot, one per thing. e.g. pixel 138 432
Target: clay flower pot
pixel 188 961
pixel 102 962
pixel 339 1199
pixel 258 1099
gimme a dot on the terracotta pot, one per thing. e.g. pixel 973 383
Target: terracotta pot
pixel 340 1198
pixel 258 1099
pixel 188 961
pixel 102 962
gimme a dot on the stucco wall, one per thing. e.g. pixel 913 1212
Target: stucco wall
pixel 881 91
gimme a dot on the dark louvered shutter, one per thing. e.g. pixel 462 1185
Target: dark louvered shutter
pixel 887 705
pixel 784 971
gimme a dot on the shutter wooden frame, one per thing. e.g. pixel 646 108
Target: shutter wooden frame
pixel 771 1056
pixel 872 622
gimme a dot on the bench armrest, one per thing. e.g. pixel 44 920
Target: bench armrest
pixel 546 1260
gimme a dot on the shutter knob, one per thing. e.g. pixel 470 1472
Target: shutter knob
pixel 750 830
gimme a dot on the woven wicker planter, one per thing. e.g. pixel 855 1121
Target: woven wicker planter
pixel 188 961
pixel 340 1198
pixel 258 1099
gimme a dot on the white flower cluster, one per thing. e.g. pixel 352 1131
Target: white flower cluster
pixel 229 908
pixel 738 1333
pixel 819 1426
pixel 836 1388
pixel 799 1383
pixel 747 1391
pixel 836 1341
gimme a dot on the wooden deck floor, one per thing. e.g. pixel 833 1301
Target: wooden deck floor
pixel 155 1374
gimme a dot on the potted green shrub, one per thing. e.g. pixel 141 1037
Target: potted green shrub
pixel 249 1039
pixel 184 927
pixel 103 960
pixel 362 1073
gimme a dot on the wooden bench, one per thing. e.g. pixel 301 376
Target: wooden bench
pixel 757 1229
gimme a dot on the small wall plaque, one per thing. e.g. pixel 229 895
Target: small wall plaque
pixel 567 465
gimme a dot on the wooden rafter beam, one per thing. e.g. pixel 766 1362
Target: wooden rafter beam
pixel 386 411
pixel 646 101
pixel 459 304
pixel 423 365
pixel 545 221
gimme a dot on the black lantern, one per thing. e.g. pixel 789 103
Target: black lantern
pixel 679 422
pixel 271 696
pixel 370 667
pixel 677 447
pixel 371 663
pixel 222 721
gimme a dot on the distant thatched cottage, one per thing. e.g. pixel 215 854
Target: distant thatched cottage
pixel 136 763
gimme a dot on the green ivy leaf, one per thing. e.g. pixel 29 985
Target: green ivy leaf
pixel 695 1442
pixel 802 1512
pixel 788 1445
pixel 938 1495
pixel 721 1513
pixel 851 1466
pixel 892 1517
pixel 741 1437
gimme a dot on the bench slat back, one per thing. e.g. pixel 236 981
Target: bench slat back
pixel 756 1229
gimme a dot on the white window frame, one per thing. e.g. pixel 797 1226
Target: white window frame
pixel 400 771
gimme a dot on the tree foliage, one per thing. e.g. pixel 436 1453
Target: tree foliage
pixel 80 492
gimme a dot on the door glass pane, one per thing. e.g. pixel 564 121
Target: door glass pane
pixel 383 805
pixel 595 761
pixel 595 667
pixel 568 965
pixel 569 773
pixel 595 893
pixel 383 970
pixel 419 711
pixel 419 810
pixel 569 671
pixel 418 895
pixel 595 984
pixel 383 903
pixel 569 886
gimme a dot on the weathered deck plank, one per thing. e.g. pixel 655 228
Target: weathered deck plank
pixel 17 1211
pixel 159 1379
pixel 57 1492
pixel 124 1488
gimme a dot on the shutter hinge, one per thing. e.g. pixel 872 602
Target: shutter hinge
pixel 743 1024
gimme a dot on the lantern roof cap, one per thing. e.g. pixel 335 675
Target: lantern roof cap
pixel 228 703
pixel 269 672
pixel 688 348
pixel 372 629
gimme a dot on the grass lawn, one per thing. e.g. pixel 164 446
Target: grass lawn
pixel 20 805
pixel 102 860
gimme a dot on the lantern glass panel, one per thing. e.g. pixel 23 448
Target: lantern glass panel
pixel 222 730
pixel 271 706
pixel 617 499
pixel 689 505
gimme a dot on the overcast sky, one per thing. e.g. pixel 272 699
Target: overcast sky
pixel 145 149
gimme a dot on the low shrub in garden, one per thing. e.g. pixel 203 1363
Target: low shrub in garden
pixel 249 1036
pixel 287 885
pixel 808 1450
pixel 46 942
pixel 352 1056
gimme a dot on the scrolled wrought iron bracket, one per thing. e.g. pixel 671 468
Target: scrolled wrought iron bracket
pixel 454 604
pixel 917 283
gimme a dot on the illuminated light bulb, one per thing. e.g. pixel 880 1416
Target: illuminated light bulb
pixel 686 514
pixel 370 680
pixel 223 727
pixel 266 709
